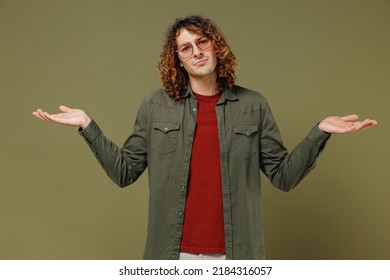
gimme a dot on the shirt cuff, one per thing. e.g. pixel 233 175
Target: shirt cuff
pixel 318 136
pixel 90 132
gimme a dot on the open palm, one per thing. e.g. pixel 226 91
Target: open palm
pixel 68 116
pixel 339 125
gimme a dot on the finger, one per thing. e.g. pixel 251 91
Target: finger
pixel 64 108
pixel 368 123
pixel 42 115
pixel 36 114
pixel 364 124
pixel 359 125
pixel 374 122
pixel 47 116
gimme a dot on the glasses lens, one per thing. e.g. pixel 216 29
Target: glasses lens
pixel 203 42
pixel 185 51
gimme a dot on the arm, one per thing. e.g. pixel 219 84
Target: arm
pixel 285 170
pixel 123 165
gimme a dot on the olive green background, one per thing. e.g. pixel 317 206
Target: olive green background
pixel 310 58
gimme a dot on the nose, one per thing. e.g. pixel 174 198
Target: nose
pixel 197 51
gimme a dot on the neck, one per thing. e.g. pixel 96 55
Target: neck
pixel 204 85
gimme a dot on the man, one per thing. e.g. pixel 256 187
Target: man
pixel 204 140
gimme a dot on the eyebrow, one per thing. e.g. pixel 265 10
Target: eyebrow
pixel 188 42
pixel 183 44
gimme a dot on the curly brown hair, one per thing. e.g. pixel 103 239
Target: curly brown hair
pixel 175 78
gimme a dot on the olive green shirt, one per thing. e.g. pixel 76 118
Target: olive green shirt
pixel 249 142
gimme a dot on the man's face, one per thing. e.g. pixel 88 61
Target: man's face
pixel 203 61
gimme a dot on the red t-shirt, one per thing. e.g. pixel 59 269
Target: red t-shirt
pixel 203 228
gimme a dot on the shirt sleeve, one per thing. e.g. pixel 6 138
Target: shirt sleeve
pixel 122 164
pixel 285 170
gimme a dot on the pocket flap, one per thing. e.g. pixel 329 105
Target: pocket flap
pixel 166 126
pixel 245 129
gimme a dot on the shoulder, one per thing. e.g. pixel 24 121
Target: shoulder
pixel 250 97
pixel 159 97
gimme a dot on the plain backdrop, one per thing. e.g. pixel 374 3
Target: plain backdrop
pixel 310 58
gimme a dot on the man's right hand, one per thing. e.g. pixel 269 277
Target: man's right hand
pixel 71 117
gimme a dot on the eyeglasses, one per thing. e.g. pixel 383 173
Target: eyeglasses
pixel 186 50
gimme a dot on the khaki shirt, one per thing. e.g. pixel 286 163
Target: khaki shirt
pixel 249 142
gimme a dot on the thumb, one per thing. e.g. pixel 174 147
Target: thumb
pixel 350 118
pixel 64 108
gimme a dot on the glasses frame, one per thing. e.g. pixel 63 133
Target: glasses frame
pixel 192 46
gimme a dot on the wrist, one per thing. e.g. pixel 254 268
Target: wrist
pixel 322 127
pixel 85 122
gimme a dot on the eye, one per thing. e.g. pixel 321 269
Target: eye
pixel 185 48
pixel 203 41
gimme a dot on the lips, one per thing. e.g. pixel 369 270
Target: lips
pixel 200 62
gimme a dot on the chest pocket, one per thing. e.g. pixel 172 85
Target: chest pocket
pixel 165 136
pixel 246 140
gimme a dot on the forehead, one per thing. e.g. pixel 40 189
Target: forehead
pixel 185 35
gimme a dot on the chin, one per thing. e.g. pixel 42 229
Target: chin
pixel 203 72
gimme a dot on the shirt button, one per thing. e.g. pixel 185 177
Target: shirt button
pixel 194 109
pixel 165 128
pixel 183 188
pixel 190 132
pixel 186 159
pixel 180 213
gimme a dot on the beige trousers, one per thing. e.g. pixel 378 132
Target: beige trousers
pixel 189 256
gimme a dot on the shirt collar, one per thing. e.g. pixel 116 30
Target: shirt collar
pixel 227 94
